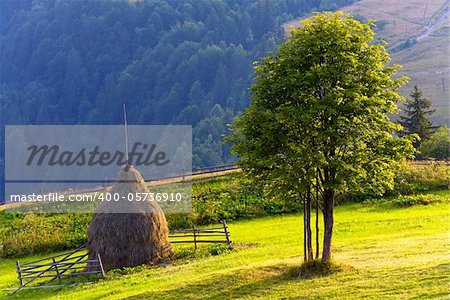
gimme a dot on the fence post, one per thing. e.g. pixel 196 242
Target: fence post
pixel 225 229
pixel 19 273
pixel 101 265
pixel 195 238
pixel 56 269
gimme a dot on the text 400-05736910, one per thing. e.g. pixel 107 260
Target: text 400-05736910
pixel 160 197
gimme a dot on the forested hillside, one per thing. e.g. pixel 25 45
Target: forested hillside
pixel 170 61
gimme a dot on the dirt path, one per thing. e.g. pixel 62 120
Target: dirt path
pixel 435 22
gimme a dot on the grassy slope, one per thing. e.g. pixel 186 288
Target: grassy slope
pixel 393 253
pixel 427 61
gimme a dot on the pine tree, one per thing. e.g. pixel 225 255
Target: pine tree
pixel 416 121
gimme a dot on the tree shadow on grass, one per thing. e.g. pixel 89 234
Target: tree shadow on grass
pixel 262 281
pixel 241 283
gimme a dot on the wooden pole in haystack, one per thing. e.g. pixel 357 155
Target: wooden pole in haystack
pixel 128 233
pixel 125 122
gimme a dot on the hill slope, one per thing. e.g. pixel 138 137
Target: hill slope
pixel 418 33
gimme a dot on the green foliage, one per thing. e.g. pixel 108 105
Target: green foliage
pixel 35 233
pixel 438 145
pixel 405 201
pixel 411 200
pixel 230 198
pixel 318 118
pixel 217 249
pixel 412 178
pixel 313 109
pixel 416 121
pixel 422 176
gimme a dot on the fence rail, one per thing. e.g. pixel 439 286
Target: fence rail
pixel 197 172
pixel 213 169
pixel 68 264
pixel 196 236
pixel 76 263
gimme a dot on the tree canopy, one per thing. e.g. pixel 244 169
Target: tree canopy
pixel 318 117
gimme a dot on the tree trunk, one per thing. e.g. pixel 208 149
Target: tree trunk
pixel 308 225
pixel 317 222
pixel 304 230
pixel 328 204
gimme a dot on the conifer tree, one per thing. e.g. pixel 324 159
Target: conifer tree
pixel 416 121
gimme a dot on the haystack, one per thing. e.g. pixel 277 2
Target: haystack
pixel 128 234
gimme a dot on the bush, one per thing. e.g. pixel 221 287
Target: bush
pixel 411 200
pixel 438 146
pixel 419 176
pixel 218 249
pixel 414 178
pixel 406 201
pixel 230 198
pixel 22 234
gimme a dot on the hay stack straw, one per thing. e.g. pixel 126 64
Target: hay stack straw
pixel 137 236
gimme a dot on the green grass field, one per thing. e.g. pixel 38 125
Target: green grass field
pixel 387 252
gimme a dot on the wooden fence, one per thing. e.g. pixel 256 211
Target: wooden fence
pixel 69 264
pixel 196 236
pixel 75 263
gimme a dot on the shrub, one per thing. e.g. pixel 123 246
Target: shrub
pixel 218 249
pixel 22 234
pixel 438 146
pixel 419 176
pixel 405 201
pixel 414 178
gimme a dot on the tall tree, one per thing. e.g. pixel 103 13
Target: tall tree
pixel 416 121
pixel 319 110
